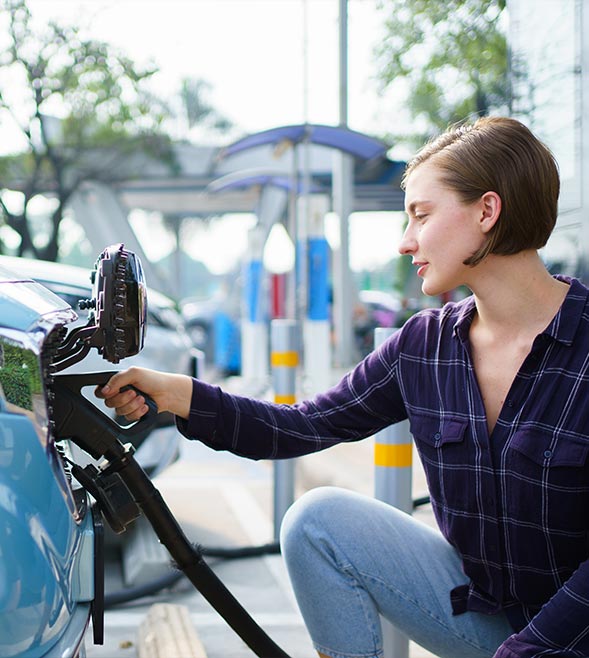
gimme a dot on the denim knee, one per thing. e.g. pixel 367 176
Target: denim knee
pixel 308 510
pixel 316 508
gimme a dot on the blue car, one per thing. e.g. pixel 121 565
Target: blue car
pixel 47 529
pixel 51 559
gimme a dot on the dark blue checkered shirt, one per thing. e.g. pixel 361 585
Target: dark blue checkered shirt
pixel 514 504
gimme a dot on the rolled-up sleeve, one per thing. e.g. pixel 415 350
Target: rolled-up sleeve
pixel 561 628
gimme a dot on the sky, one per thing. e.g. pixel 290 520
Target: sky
pixel 255 53
pixel 269 63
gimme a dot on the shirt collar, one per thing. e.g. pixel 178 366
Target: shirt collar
pixel 565 323
pixel 563 326
pixel 465 317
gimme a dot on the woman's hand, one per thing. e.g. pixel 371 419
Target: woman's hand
pixel 170 392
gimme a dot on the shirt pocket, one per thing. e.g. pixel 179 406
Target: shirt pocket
pixel 436 431
pixel 544 450
pixel 549 473
pixel 444 455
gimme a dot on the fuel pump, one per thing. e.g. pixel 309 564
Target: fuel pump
pixel 122 490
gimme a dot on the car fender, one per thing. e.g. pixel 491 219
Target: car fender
pixel 40 543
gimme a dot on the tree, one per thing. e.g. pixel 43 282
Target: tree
pixel 83 112
pixel 453 55
pixel 197 109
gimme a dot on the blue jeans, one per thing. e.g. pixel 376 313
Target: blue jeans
pixel 351 557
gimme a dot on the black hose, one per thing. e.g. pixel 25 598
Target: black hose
pixel 236 552
pixel 418 502
pixel 189 559
pixel 118 597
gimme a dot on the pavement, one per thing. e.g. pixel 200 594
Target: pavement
pixel 223 500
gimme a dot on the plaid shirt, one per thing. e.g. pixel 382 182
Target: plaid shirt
pixel 514 504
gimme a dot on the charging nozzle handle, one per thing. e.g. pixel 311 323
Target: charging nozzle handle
pixel 78 418
pixel 87 425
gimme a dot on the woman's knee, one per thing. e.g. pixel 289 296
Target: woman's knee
pixel 314 511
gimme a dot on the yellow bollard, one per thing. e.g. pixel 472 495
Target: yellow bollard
pixel 393 460
pixel 284 360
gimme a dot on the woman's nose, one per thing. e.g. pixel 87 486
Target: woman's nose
pixel 408 244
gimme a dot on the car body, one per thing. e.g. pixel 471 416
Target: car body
pixel 47 529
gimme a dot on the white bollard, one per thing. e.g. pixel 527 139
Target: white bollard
pixel 254 329
pixel 317 325
pixel 393 458
pixel 284 360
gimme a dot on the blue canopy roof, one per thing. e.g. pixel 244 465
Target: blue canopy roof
pixel 337 137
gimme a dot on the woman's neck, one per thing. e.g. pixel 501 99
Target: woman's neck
pixel 516 294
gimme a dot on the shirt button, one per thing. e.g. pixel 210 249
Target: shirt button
pixel 437 436
pixel 547 454
pixel 510 403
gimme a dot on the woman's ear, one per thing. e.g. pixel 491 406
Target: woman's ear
pixel 491 209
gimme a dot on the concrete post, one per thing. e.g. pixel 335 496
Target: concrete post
pixel 343 203
pixel 284 359
pixel 393 452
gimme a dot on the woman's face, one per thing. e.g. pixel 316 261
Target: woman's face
pixel 442 231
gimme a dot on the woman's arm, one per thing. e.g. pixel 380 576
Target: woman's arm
pixel 363 402
pixel 561 628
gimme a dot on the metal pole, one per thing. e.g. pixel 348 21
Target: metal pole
pixel 284 360
pixel 343 62
pixel 343 181
pixel 393 456
pixel 342 191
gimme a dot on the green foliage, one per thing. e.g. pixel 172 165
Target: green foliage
pixel 20 376
pixel 453 55
pixel 197 109
pixel 82 109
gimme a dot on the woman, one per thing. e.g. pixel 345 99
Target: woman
pixel 495 389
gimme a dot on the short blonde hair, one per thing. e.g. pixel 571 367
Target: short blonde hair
pixel 499 154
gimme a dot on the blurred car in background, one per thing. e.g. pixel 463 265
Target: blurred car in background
pixel 378 308
pixel 214 328
pixel 167 345
pixel 374 308
pixel 382 306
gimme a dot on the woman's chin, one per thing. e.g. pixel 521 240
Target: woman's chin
pixel 433 288
pixel 429 288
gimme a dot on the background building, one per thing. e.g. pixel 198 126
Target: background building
pixel 550 77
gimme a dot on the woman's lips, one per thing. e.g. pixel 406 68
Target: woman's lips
pixel 420 268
